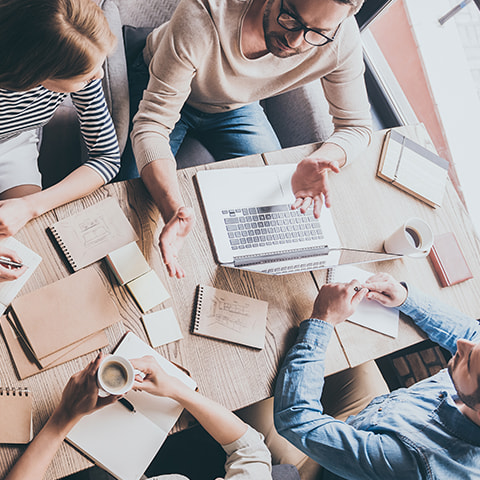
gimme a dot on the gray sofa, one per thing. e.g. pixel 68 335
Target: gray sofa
pixel 300 116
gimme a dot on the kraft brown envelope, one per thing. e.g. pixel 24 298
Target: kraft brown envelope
pixel 64 312
pixel 25 363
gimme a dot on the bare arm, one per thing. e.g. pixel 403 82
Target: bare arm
pixel 16 212
pixel 80 397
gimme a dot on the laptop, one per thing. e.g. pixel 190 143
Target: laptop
pixel 253 227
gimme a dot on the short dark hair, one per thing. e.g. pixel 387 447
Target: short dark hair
pixel 355 5
pixel 50 39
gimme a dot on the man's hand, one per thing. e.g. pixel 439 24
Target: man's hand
pixel 386 290
pixel 14 214
pixel 337 301
pixel 8 273
pixel 80 395
pixel 310 184
pixel 172 237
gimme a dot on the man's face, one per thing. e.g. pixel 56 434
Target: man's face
pixel 464 369
pixel 321 15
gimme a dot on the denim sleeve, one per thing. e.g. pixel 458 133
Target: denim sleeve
pixel 337 446
pixel 442 323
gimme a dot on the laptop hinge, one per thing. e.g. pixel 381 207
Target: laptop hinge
pixel 245 261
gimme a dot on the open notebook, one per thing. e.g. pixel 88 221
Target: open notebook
pixel 124 443
pixel 9 290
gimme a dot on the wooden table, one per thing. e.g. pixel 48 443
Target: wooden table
pixel 366 210
pixel 234 375
pixel 364 207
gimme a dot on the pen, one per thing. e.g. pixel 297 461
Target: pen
pixel 10 263
pixel 127 404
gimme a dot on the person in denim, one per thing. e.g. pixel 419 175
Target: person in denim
pixel 429 431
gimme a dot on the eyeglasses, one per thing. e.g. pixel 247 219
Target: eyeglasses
pixel 287 21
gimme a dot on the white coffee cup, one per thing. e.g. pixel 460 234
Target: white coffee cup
pixel 115 376
pixel 414 239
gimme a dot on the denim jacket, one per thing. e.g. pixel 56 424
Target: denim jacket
pixel 414 433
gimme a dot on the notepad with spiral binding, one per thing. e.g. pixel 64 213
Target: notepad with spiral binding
pixel 230 317
pixel 15 415
pixel 91 234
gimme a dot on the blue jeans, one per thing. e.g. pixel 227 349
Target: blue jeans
pixel 233 133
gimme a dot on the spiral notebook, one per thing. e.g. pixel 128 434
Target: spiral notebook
pixel 230 317
pixel 15 415
pixel 369 313
pixel 91 234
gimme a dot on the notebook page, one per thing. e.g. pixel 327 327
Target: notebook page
pixel 121 442
pixel 9 290
pixel 369 313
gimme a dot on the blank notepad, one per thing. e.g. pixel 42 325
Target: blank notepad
pixel 162 327
pixel 148 291
pixel 127 263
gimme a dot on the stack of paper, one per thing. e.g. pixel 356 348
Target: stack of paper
pixel 59 322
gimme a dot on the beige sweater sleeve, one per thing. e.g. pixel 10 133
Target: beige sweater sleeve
pixel 196 58
pixel 173 65
pixel 248 458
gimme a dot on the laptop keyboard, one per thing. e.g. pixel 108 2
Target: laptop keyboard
pixel 270 225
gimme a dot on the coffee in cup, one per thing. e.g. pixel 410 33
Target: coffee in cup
pixel 115 375
pixel 414 239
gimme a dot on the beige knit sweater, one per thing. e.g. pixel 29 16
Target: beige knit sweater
pixel 196 58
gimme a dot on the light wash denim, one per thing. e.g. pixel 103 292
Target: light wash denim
pixel 226 134
pixel 232 133
pixel 411 433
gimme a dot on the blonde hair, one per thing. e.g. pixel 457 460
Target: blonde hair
pixel 50 39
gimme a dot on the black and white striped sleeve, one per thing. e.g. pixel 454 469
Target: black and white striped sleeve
pixel 97 130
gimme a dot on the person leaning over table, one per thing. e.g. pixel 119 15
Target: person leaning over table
pixel 429 430
pixel 51 49
pixel 209 67
pixel 247 455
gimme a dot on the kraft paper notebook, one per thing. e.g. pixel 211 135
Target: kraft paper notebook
pixel 369 313
pixel 25 362
pixel 91 234
pixel 9 290
pixel 120 441
pixel 231 317
pixel 64 312
pixel 15 415
pixel 448 260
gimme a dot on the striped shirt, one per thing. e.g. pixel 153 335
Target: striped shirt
pixel 22 111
